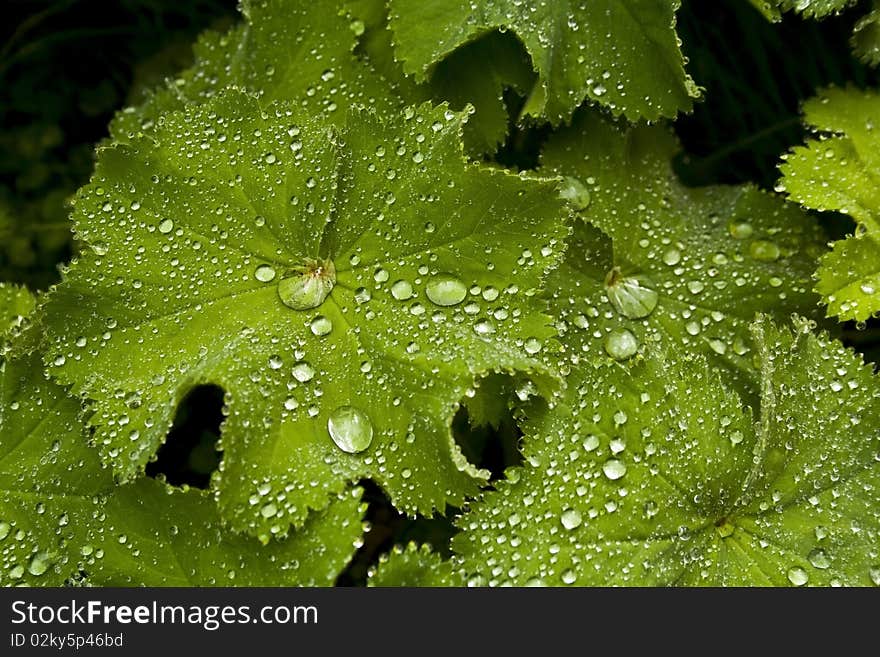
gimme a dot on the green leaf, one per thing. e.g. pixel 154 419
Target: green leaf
pixel 503 65
pixel 413 566
pixel 16 303
pixel 687 266
pixel 866 37
pixel 650 473
pixel 808 8
pixel 63 519
pixel 839 170
pixel 623 54
pixel 345 291
pixel 285 50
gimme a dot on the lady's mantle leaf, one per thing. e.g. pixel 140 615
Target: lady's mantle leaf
pixel 649 473
pixel 623 54
pixel 345 290
pixel 285 50
pixel 413 566
pixel 502 64
pixel 16 303
pixel 840 170
pixel 810 8
pixel 64 520
pixel 692 266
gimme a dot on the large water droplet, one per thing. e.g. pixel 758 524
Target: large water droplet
pixel 321 325
pixel 798 576
pixel 621 344
pixel 166 226
pixel 764 250
pixel 350 429
pixel 571 519
pixel 445 290
pixel 818 558
pixel 265 273
pixel 614 469
pixel 303 372
pixel 39 564
pixel 401 290
pixel 575 192
pixel 629 296
pixel 309 285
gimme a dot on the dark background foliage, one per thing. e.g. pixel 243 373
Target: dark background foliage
pixel 67 65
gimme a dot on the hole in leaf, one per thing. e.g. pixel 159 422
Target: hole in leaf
pixel 389 527
pixel 485 429
pixel 189 455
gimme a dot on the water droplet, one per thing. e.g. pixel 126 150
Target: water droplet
pixel 621 344
pixel 484 327
pixel 39 564
pixel 740 230
pixel 265 273
pixel 275 362
pixel 874 574
pixel 445 290
pixel 571 519
pixel 5 528
pixel 798 576
pixel 303 372
pixel 166 226
pixel 569 576
pixel 614 469
pixel 350 429
pixel 401 290
pixel 532 346
pixel 628 296
pixel 764 251
pixel 671 257
pixel 309 285
pixel 818 558
pixel 321 325
pixel 362 295
pixel 574 191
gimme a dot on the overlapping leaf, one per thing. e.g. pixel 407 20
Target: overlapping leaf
pixel 413 566
pixel 651 473
pixel 209 240
pixel 840 171
pixel 16 303
pixel 502 65
pixel 293 50
pixel 63 519
pixel 810 8
pixel 866 37
pixel 688 266
pixel 623 54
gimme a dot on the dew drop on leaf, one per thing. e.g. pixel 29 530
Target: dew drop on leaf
pixel 265 273
pixel 614 469
pixel 629 296
pixel 571 519
pixel 39 564
pixel 321 325
pixel 798 576
pixel 303 372
pixel 764 251
pixel 574 191
pixel 309 285
pixel 401 290
pixel 350 429
pixel 445 290
pixel 166 226
pixel 621 344
pixel 818 558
